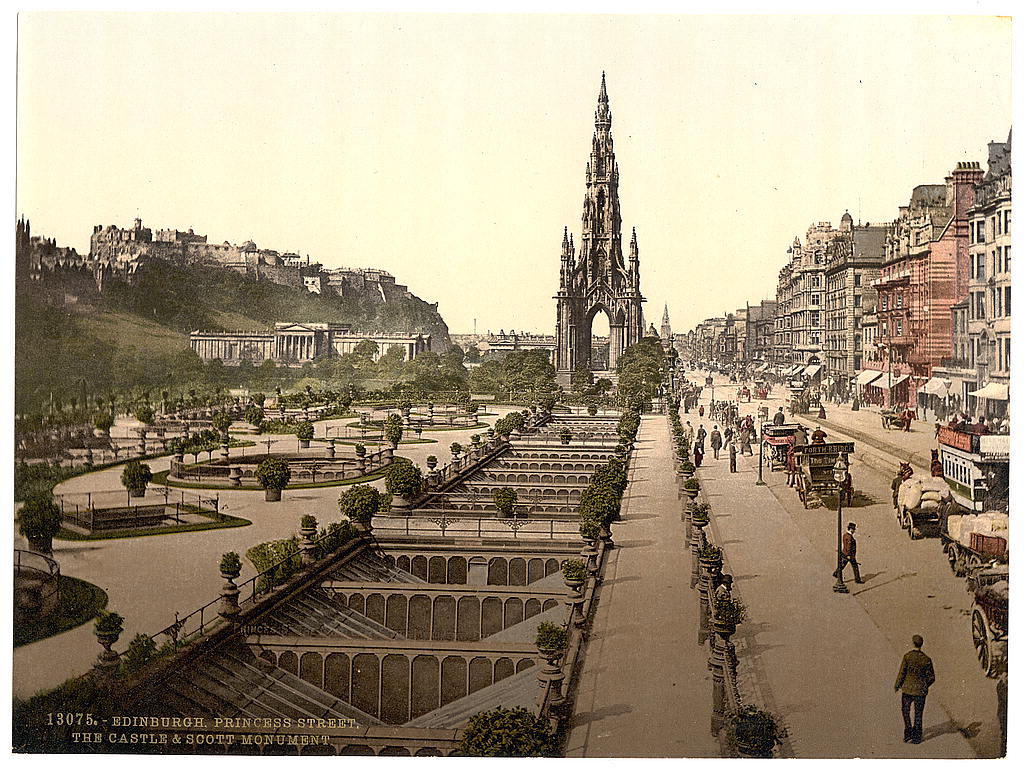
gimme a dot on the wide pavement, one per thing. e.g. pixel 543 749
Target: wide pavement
pixel 645 690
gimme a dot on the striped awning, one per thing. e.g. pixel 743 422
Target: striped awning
pixel 812 371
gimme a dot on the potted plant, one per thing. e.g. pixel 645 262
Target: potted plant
pixel 360 450
pixel 710 554
pixel 753 731
pixel 304 433
pixel 359 504
pixel 39 520
pixel 574 573
pixel 699 514
pixel 565 436
pixel 505 500
pixel 552 640
pixel 475 439
pixel 592 409
pixel 687 468
pixel 230 565
pixel 431 462
pixel 135 477
pixel 692 487
pixel 456 449
pixel 503 428
pixel 273 474
pixel 108 626
pixel 403 480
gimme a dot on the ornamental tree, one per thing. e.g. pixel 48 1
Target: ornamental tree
pixel 221 422
pixel 135 476
pixel 393 429
pixel 304 431
pixel 360 503
pixel 273 474
pixel 39 520
pixel 145 415
pixel 505 499
pixel 403 478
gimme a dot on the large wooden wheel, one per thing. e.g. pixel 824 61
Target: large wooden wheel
pixel 989 650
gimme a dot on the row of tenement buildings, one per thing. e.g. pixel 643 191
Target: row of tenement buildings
pixel 911 312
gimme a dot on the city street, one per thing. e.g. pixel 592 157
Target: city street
pixel 856 640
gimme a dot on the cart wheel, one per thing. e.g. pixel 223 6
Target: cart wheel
pixel 980 636
pixel 913 531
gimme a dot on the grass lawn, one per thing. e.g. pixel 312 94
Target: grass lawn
pixel 80 601
pixel 216 523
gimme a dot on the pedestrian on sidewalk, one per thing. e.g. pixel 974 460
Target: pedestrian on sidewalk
pixel 916 674
pixel 821 412
pixel 849 554
pixel 700 410
pixel 732 457
pixel 847 489
pixel 701 435
pixel 698 453
pixel 716 441
pixel 791 465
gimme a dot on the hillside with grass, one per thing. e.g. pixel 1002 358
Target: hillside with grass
pixel 137 335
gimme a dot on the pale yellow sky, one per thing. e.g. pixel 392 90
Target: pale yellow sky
pixel 451 150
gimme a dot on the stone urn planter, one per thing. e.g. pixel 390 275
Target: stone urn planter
pixel 230 567
pixel 235 477
pixel 272 496
pixel 399 502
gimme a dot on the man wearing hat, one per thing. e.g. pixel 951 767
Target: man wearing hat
pixel 849 554
pixel 916 674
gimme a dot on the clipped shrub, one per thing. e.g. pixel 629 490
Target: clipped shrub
pixel 710 553
pixel 505 499
pixel 307 521
pixel 145 415
pixel 141 650
pixel 393 429
pixel 700 511
pixel 456 448
pixel 507 732
pixel 360 503
pixel 691 484
pixel 403 478
pixel 273 474
pixel 136 475
pixel 304 431
pixel 39 519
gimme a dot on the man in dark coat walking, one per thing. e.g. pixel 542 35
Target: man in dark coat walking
pixel 915 676
pixel 849 554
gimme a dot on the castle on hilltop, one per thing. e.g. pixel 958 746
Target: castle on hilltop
pixel 119 253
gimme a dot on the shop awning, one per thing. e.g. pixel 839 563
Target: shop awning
pixel 812 371
pixel 994 391
pixel 792 371
pixel 867 376
pixel 936 386
pixel 884 381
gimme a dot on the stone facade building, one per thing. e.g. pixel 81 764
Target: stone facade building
pixel 853 261
pixel 925 272
pixel 291 344
pixel 980 321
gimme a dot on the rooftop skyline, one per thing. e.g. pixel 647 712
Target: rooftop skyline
pixel 451 150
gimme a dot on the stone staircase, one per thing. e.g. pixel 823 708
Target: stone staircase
pixel 521 689
pixel 316 614
pixel 236 683
pixel 369 566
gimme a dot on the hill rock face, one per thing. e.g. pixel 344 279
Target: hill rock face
pixel 77 320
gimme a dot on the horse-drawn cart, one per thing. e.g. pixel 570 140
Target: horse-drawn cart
pixel 815 465
pixel 778 438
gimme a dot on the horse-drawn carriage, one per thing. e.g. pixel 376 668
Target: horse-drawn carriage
pixel 815 464
pixel 778 438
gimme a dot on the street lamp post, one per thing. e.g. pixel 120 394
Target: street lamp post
pixel 839 474
pixel 760 460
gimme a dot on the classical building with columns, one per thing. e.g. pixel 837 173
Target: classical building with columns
pixel 297 343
